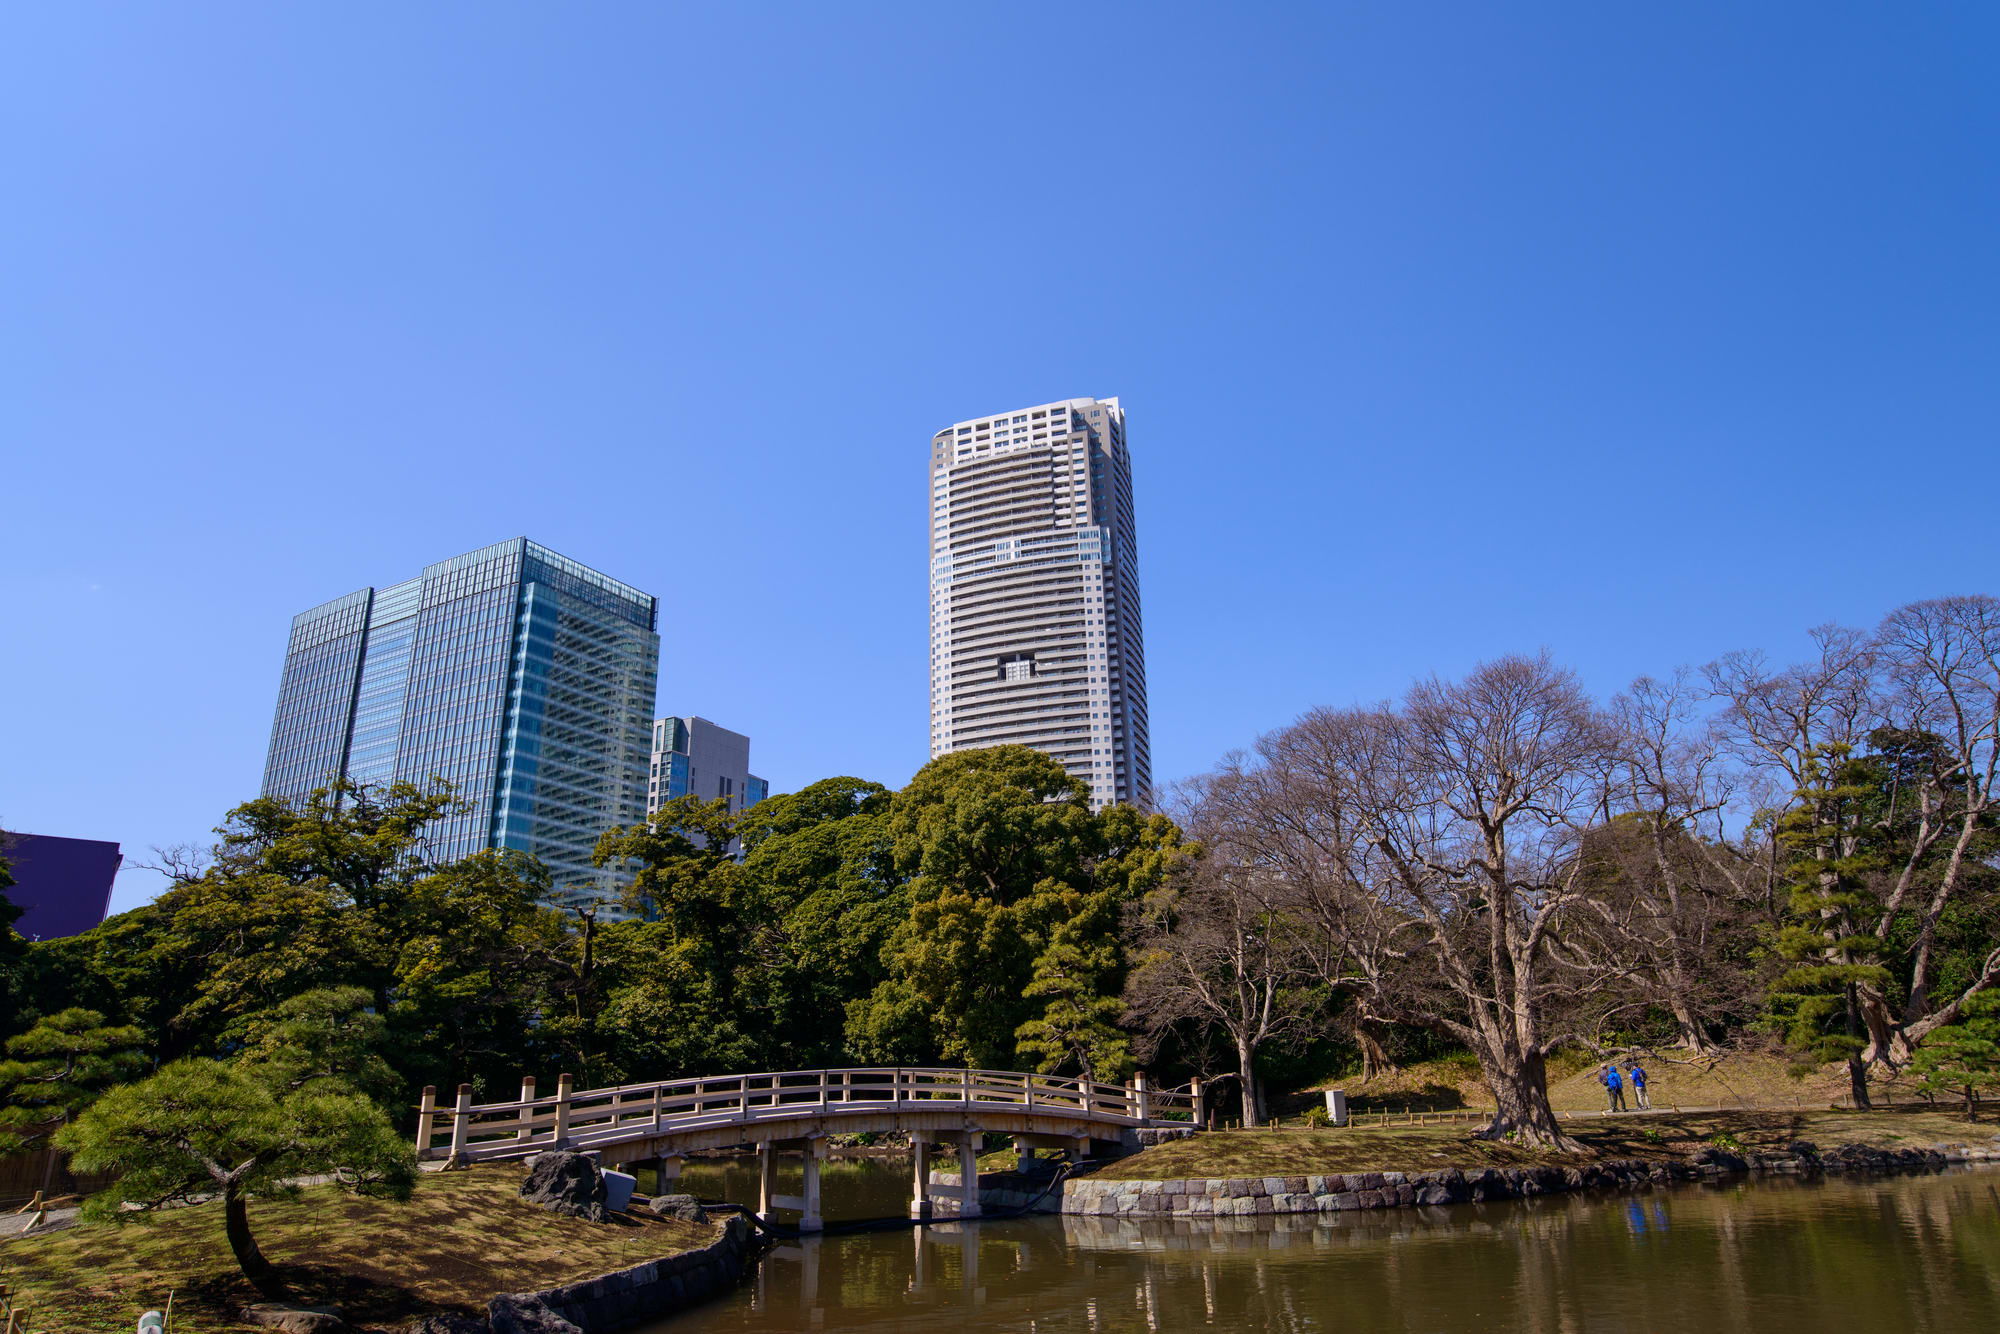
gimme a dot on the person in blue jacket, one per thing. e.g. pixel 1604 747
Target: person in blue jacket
pixel 1614 1089
pixel 1636 1076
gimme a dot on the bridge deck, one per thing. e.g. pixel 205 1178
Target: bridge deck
pixel 718 1110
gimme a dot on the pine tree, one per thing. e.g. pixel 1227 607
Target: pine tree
pixel 58 1068
pixel 1078 1027
pixel 1963 1058
pixel 1815 1002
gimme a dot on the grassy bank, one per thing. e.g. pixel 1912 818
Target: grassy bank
pixel 1288 1151
pixel 1744 1077
pixel 461 1238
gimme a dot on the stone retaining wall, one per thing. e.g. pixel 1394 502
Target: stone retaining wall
pixel 632 1296
pixel 1332 1192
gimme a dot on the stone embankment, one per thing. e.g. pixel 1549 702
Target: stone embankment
pixel 1332 1192
pixel 628 1297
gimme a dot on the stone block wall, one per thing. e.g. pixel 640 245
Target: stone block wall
pixel 1232 1197
pixel 646 1292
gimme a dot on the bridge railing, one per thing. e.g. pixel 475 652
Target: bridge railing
pixel 587 1117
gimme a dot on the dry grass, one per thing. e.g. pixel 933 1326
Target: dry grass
pixel 1287 1152
pixel 1741 1078
pixel 461 1238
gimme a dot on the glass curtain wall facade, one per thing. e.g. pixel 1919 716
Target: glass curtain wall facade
pixel 517 675
pixel 1034 607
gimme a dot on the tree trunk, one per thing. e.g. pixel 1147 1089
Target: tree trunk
pixel 1857 1082
pixel 1520 1088
pixel 1691 1037
pixel 1375 1059
pixel 1248 1081
pixel 236 1224
pixel 1857 1064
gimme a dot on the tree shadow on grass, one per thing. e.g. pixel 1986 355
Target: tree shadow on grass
pixel 364 1300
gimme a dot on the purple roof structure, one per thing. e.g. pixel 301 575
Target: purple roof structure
pixel 64 884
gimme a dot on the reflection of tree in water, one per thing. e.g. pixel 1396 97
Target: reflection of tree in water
pixel 1773 1257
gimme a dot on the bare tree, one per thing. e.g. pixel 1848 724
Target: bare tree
pixel 1941 661
pixel 1213 947
pixel 1452 824
pixel 1360 943
pixel 1671 888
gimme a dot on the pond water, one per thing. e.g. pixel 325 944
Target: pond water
pixel 1764 1257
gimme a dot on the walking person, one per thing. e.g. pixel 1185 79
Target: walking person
pixel 1614 1089
pixel 1636 1076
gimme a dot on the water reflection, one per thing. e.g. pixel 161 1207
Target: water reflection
pixel 1773 1258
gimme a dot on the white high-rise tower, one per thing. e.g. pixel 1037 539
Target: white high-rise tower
pixel 1035 635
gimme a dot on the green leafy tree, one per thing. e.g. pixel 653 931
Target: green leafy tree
pixel 365 843
pixel 200 1128
pixel 745 963
pixel 56 1069
pixel 485 977
pixel 822 861
pixel 1963 1058
pixel 1006 861
pixel 683 872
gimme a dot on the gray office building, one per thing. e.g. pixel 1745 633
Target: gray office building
pixel 520 677
pixel 695 756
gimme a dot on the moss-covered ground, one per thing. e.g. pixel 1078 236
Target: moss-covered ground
pixel 462 1237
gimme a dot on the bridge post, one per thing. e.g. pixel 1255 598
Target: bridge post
pixel 1079 1148
pixel 1200 1105
pixel 426 1111
pixel 920 1195
pixel 1139 1100
pixel 563 1085
pixel 461 1121
pixel 767 1177
pixel 527 1108
pixel 666 1170
pixel 1024 1153
pixel 968 1174
pixel 809 1217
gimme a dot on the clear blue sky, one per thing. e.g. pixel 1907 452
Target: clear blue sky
pixel 1637 332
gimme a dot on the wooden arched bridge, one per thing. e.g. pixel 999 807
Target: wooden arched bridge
pixel 657 1124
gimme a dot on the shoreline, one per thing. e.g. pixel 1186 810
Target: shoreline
pixel 1186 1198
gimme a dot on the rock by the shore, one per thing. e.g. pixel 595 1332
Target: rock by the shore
pixel 565 1182
pixel 1721 1159
pixel 447 1322
pixel 522 1313
pixel 295 1319
pixel 684 1207
pixel 1151 1136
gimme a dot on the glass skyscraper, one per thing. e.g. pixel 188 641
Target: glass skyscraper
pixel 520 677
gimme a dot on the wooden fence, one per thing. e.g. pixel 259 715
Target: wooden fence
pixel 22 1175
